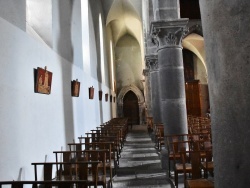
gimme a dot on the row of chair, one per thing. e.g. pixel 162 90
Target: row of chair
pixel 189 153
pixel 180 147
pixel 85 163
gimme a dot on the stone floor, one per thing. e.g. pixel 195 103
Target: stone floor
pixel 140 164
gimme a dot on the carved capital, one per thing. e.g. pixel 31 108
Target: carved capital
pixel 169 33
pixel 152 62
pixel 197 28
pixel 145 72
pixel 154 36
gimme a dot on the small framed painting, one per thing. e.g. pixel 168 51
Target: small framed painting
pixel 43 81
pixel 75 88
pixel 106 96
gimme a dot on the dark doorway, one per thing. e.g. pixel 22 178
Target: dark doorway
pixel 190 9
pixel 193 98
pixel 131 108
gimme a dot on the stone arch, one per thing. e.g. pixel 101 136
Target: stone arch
pixel 141 101
pixel 195 43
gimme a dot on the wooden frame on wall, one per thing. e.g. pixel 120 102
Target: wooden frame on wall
pixel 100 95
pixel 106 96
pixel 91 92
pixel 75 88
pixel 43 80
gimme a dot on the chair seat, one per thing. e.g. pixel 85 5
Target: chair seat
pixel 199 183
pixel 171 156
pixel 179 167
pixel 210 165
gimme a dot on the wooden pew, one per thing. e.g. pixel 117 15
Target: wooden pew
pixel 105 147
pixel 83 166
pixel 47 183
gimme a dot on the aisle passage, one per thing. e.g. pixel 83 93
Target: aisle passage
pixel 140 165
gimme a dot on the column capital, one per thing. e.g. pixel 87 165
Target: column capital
pixel 168 33
pixel 145 72
pixel 152 62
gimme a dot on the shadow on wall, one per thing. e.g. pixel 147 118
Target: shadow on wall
pixel 99 31
pixel 64 39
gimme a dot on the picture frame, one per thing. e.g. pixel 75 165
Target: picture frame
pixel 91 92
pixel 106 97
pixel 75 88
pixel 100 95
pixel 43 80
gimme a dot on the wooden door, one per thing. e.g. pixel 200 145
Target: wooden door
pixel 193 98
pixel 131 108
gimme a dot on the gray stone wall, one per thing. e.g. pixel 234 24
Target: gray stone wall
pixel 226 25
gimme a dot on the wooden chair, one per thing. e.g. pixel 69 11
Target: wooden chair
pixel 177 148
pixel 150 124
pixel 208 164
pixel 159 136
pixel 99 173
pixel 171 145
pixel 83 165
pixel 36 184
pixel 194 158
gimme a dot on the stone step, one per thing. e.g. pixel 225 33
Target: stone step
pixel 140 165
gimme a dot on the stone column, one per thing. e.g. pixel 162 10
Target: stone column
pixel 147 92
pixel 168 35
pixel 166 9
pixel 152 62
pixel 226 25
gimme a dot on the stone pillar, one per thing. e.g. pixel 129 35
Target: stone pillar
pixel 147 92
pixel 168 35
pixel 152 62
pixel 226 25
pixel 165 9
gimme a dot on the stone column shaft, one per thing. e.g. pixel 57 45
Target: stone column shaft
pixel 154 85
pixel 146 74
pixel 226 25
pixel 166 9
pixel 171 74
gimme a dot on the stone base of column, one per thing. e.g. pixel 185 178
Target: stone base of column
pixel 164 159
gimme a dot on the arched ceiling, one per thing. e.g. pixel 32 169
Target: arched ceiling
pixel 124 17
pixel 195 43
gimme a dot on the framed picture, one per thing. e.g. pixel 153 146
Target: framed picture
pixel 100 95
pixel 43 81
pixel 75 88
pixel 106 96
pixel 91 92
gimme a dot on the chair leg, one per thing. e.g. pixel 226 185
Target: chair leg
pixel 169 174
pixel 176 179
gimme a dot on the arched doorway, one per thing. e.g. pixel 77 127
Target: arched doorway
pixel 131 108
pixel 140 101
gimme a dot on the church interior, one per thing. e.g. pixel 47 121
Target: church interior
pixel 177 70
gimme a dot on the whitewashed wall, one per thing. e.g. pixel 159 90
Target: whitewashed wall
pixel 34 125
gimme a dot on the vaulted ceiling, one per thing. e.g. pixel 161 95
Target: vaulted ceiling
pixel 124 17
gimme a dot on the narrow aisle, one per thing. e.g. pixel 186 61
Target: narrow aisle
pixel 140 165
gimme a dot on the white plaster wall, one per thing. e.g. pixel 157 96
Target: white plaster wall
pixel 39 18
pixel 34 125
pixel 62 19
pixel 199 70
pixel 128 63
pixel 14 11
